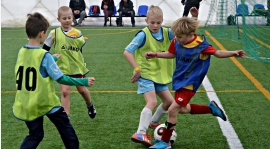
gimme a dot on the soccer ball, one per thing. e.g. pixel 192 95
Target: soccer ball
pixel 159 130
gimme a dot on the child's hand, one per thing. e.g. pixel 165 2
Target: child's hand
pixel 91 81
pixel 240 53
pixel 57 55
pixel 149 55
pixel 136 76
pixel 194 11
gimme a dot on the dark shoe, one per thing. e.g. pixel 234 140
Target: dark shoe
pixel 216 111
pixel 105 24
pixel 92 111
pixel 133 25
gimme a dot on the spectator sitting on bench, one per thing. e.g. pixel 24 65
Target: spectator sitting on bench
pixel 108 8
pixel 126 8
pixel 78 9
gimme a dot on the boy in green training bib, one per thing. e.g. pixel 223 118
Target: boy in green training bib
pixel 69 42
pixel 35 73
pixel 152 76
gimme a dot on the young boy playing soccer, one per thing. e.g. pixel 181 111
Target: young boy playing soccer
pixel 152 76
pixel 35 72
pixel 68 42
pixel 192 54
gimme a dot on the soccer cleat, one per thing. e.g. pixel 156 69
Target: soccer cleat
pixel 92 111
pixel 153 125
pixel 161 145
pixel 216 111
pixel 141 138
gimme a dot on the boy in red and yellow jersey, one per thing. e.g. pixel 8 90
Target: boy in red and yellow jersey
pixel 192 54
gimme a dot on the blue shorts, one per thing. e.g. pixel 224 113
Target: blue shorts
pixel 145 85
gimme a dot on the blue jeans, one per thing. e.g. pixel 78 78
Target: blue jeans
pixel 62 123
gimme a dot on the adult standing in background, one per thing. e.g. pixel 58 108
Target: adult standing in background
pixel 189 4
pixel 108 9
pixel 126 8
pixel 78 8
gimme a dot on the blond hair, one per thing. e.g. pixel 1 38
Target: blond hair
pixel 63 9
pixel 154 11
pixel 184 25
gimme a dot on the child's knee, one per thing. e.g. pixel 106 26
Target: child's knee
pixel 167 103
pixel 153 103
pixel 65 92
pixel 172 111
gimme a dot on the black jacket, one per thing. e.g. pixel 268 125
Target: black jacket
pixel 77 5
pixel 128 8
pixel 109 3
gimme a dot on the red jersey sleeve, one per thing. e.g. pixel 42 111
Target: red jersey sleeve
pixel 172 46
pixel 209 50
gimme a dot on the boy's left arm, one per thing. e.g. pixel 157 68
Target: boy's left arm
pixel 224 54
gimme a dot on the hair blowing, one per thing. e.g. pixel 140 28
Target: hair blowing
pixel 35 24
pixel 184 25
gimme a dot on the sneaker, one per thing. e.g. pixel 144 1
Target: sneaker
pixel 79 25
pixel 133 25
pixel 141 138
pixel 92 111
pixel 153 125
pixel 161 145
pixel 216 111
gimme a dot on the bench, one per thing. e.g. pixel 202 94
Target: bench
pixel 142 12
pixel 243 10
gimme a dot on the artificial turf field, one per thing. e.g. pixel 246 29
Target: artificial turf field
pixel 241 85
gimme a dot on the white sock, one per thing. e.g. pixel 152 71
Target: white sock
pixel 145 119
pixel 158 115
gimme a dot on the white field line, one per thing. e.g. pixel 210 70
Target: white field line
pixel 226 126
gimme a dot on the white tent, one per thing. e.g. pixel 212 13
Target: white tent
pixel 14 12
